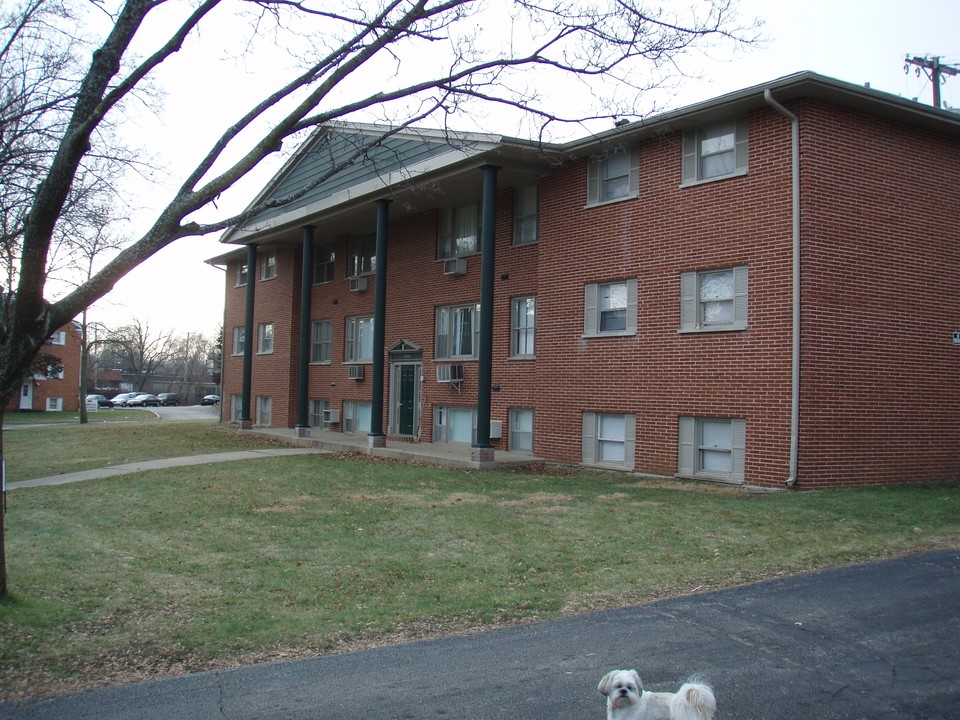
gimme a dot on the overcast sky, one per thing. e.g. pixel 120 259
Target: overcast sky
pixel 858 41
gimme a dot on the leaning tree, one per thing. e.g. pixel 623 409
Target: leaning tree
pixel 75 77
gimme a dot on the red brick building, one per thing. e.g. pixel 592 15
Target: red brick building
pixel 59 391
pixel 757 289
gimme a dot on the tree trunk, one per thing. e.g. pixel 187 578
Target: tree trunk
pixel 3 513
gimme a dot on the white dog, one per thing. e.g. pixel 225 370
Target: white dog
pixel 626 699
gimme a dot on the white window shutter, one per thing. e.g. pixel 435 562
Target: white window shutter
pixel 740 297
pixel 688 173
pixel 741 147
pixel 688 301
pixel 738 448
pixel 630 441
pixel 686 451
pixel 632 306
pixel 634 190
pixel 590 309
pixel 593 181
pixel 588 438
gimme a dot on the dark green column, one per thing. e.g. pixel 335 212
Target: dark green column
pixel 303 373
pixel 246 421
pixel 377 438
pixel 482 450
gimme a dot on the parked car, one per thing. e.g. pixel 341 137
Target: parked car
pixel 121 399
pixel 169 399
pixel 102 400
pixel 143 400
pixel 209 399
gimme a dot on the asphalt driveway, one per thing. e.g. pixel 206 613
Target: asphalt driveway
pixel 877 641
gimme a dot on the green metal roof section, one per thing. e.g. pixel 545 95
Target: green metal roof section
pixel 334 148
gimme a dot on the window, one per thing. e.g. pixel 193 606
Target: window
pixel 321 340
pixel 521 430
pixel 316 412
pixel 359 340
pixel 324 259
pixel 356 416
pixel 713 300
pixel 236 407
pixel 613 177
pixel 459 232
pixel 264 410
pixel 458 331
pixel 268 266
pixel 265 338
pixel 609 439
pixel 54 404
pixel 454 424
pixel 239 334
pixel 58 338
pixel 712 448
pixel 610 309
pixel 525 215
pixel 523 326
pixel 361 257
pixel 715 151
pixel 241 277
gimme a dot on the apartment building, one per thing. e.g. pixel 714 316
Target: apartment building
pixel 56 391
pixel 759 289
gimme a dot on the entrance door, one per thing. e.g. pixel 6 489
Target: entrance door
pixel 406 393
pixel 26 396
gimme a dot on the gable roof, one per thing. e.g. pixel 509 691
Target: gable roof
pixel 344 167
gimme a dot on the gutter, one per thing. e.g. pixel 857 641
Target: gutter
pixel 795 359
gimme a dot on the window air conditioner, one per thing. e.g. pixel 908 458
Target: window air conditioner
pixel 496 429
pixel 355 372
pixel 358 284
pixel 449 373
pixel 331 417
pixel 455 266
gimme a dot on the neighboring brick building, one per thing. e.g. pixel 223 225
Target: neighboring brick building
pixel 60 392
pixel 668 297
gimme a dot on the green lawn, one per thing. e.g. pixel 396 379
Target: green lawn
pixel 216 565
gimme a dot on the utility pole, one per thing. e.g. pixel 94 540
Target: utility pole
pixel 933 69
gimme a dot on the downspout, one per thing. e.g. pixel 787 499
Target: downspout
pixel 795 359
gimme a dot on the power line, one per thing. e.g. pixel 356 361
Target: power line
pixel 934 70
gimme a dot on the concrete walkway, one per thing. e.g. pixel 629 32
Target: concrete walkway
pixel 879 641
pixel 134 467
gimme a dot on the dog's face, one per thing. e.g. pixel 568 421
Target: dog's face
pixel 622 688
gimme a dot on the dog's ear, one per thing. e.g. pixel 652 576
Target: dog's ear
pixel 605 683
pixel 636 679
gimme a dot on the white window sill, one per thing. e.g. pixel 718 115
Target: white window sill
pixel 711 329
pixel 704 181
pixel 608 334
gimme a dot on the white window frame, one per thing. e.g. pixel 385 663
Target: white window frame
pixel 324 262
pixel 592 440
pixel 525 215
pixel 521 439
pixel 58 338
pixel 449 342
pixel 236 407
pixel 350 408
pixel 358 329
pixel 362 255
pixel 691 450
pixel 264 410
pixel 693 153
pixel 240 279
pixel 441 422
pixel 268 266
pixel 523 327
pixel 593 310
pixel 54 404
pixel 316 412
pixel 239 336
pixel 321 342
pixel 601 181
pixel 458 231
pixel 694 317
pixel 265 338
